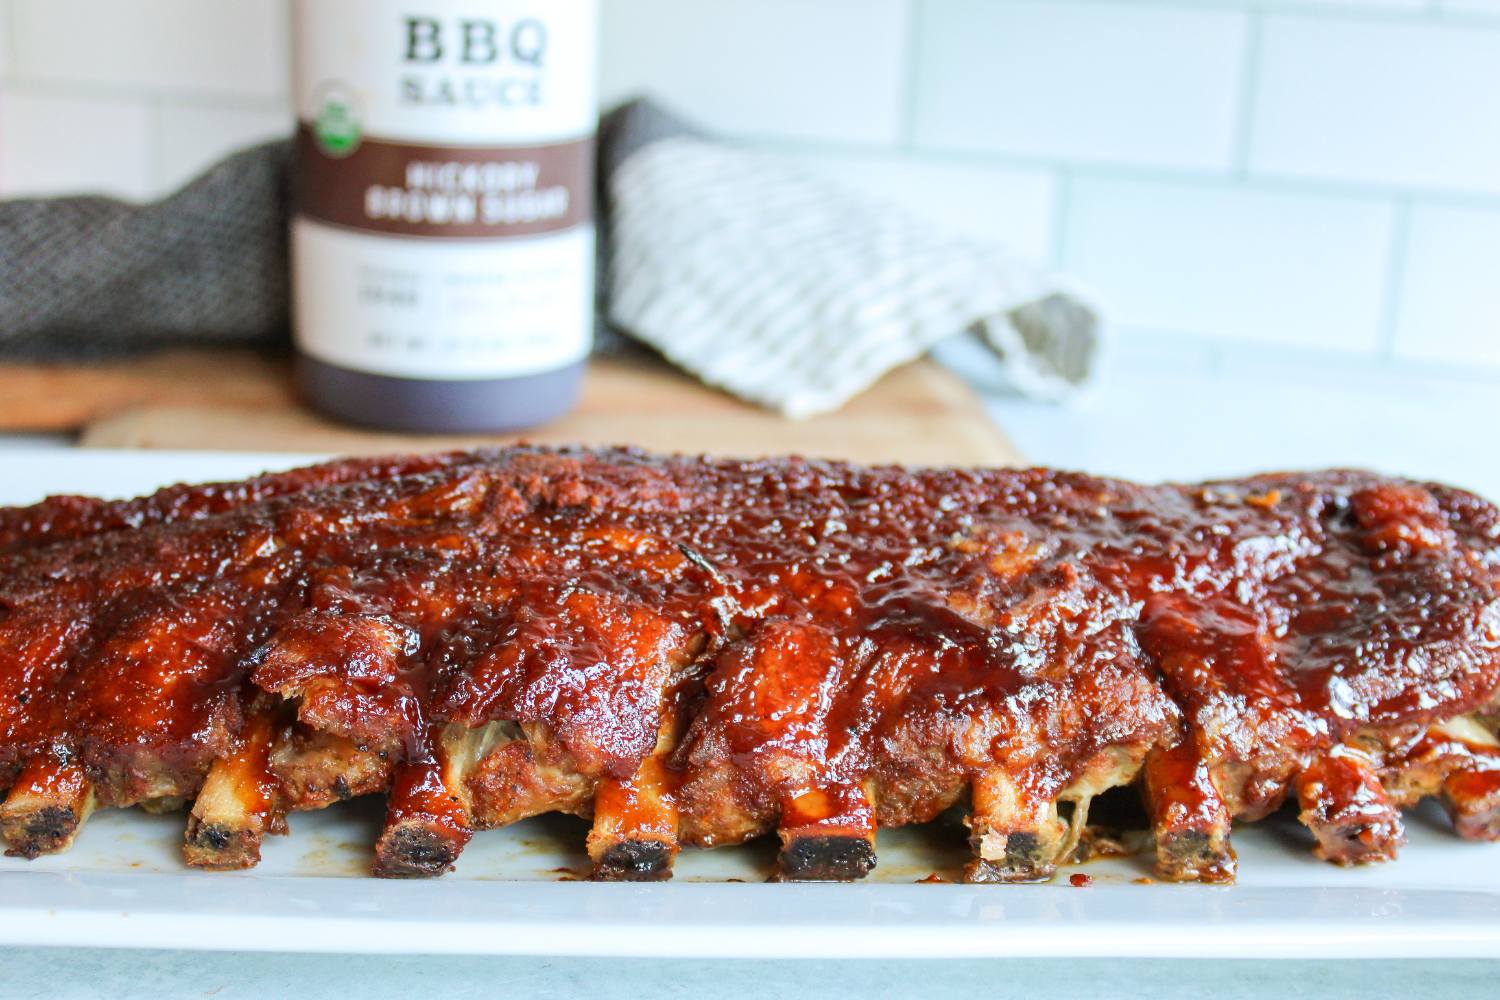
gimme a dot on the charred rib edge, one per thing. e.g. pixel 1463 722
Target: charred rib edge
pixel 1016 833
pixel 47 806
pixel 429 811
pixel 237 805
pixel 828 835
pixel 1471 793
pixel 1188 816
pixel 635 833
pixel 1347 809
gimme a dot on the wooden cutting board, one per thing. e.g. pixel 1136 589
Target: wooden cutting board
pixel 228 400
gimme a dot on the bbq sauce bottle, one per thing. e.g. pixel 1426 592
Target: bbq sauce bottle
pixel 443 243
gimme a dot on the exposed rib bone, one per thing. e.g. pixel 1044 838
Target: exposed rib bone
pixel 1345 806
pixel 1189 817
pixel 635 833
pixel 428 821
pixel 1471 791
pixel 1016 834
pixel 1470 731
pixel 238 804
pixel 46 807
pixel 1472 799
pixel 924 627
pixel 828 834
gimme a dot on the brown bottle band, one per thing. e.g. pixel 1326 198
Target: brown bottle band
pixel 407 189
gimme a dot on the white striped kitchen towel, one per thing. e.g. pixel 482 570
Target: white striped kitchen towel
pixel 796 294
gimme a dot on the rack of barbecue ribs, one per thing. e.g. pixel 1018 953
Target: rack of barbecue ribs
pixel 696 652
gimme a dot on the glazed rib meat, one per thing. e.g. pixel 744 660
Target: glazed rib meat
pixel 696 652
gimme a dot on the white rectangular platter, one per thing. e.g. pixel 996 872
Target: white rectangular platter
pixel 517 890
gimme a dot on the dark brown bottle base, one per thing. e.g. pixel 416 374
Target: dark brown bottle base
pixel 424 406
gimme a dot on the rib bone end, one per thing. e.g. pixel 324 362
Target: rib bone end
pixel 636 861
pixel 415 848
pixel 827 858
pixel 635 833
pixel 1472 799
pixel 1014 829
pixel 221 846
pixel 1189 818
pixel 1195 856
pixel 237 804
pixel 1346 808
pixel 828 835
pixel 45 809
pixel 48 830
pixel 1018 857
pixel 427 823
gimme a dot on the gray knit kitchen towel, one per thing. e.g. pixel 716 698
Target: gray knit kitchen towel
pixel 89 277
pixel 778 287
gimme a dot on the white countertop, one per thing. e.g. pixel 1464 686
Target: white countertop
pixel 1166 412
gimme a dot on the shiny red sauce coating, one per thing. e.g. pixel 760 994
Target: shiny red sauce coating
pixel 819 628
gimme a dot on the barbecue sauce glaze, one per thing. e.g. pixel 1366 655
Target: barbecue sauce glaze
pixel 813 626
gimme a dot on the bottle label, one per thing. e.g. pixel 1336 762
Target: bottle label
pixel 444 185
pixel 443 309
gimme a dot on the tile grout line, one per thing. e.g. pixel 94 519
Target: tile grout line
pixel 1326 11
pixel 12 71
pixel 169 96
pixel 1269 182
pixel 1245 109
pixel 1395 276
pixel 906 125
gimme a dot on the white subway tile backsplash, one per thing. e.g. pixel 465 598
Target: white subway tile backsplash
pixel 1450 292
pixel 211 46
pixel 1232 262
pixel 1123 83
pixel 1011 207
pixel 5 40
pixel 1401 103
pixel 1220 170
pixel 190 139
pixel 63 145
pixel 831 70
pixel 1483 7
